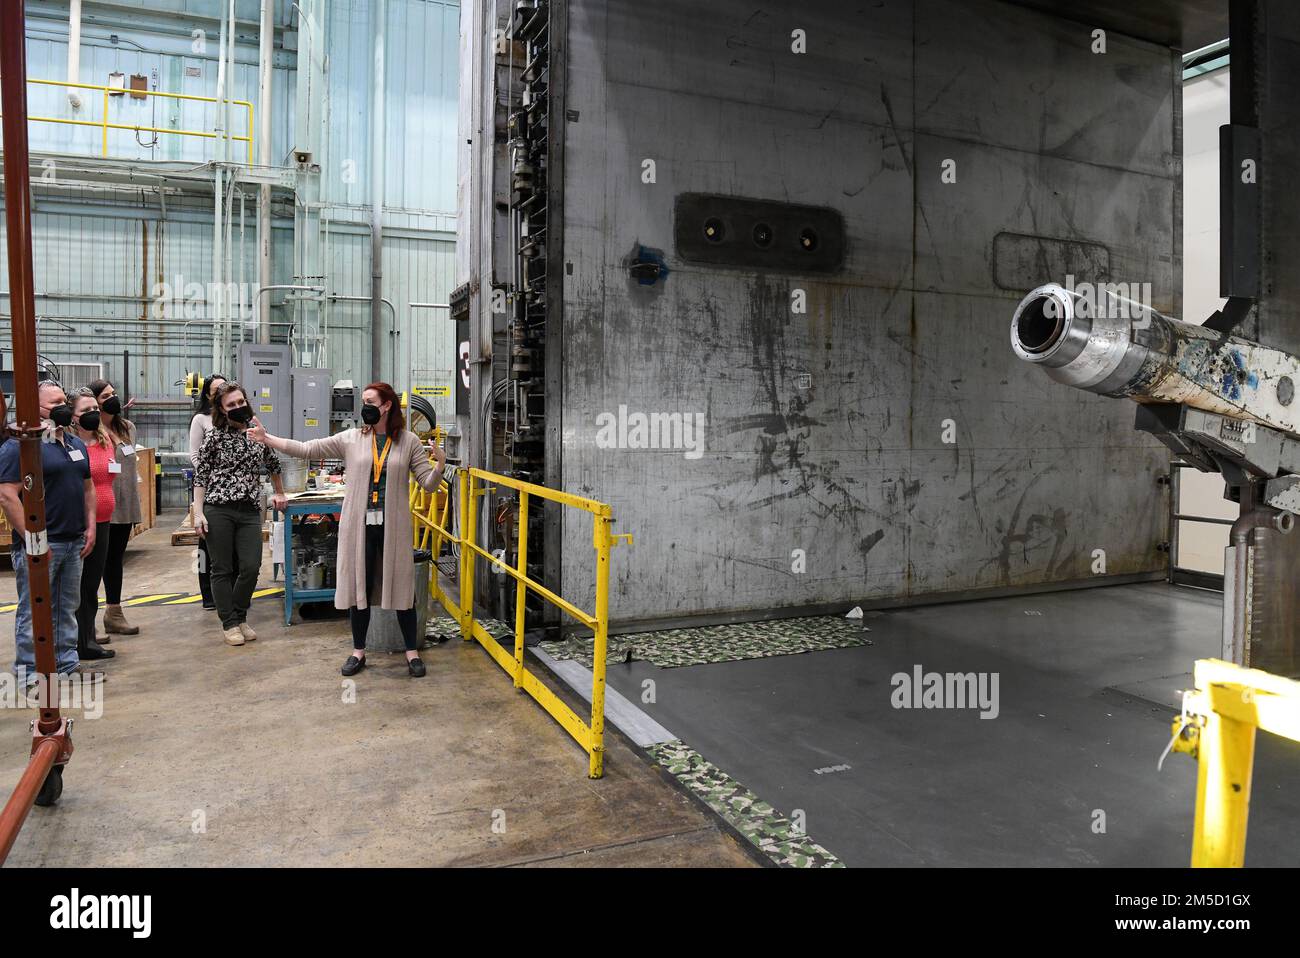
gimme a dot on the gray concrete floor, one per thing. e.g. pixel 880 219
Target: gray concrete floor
pixel 1084 681
pixel 258 744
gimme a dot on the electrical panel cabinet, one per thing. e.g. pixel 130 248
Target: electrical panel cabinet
pixel 265 372
pixel 311 404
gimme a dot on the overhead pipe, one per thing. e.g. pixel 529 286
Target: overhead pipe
pixel 265 53
pixel 243 261
pixel 290 286
pixel 74 53
pixel 227 271
pixel 383 301
pixel 218 346
pixel 377 134
pixel 230 79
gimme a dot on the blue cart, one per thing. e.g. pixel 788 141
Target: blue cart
pixel 314 506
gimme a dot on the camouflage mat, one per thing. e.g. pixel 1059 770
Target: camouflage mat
pixel 719 643
pixel 445 625
pixel 772 833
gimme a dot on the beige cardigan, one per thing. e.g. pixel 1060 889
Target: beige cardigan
pixel 408 457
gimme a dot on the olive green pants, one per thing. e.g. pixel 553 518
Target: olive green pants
pixel 234 542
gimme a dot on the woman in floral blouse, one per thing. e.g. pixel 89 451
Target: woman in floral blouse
pixel 227 507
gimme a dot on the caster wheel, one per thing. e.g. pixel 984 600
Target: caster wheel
pixel 52 789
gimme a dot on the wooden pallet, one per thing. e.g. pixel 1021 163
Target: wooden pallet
pixel 184 534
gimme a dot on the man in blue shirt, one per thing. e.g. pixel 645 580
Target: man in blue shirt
pixel 69 500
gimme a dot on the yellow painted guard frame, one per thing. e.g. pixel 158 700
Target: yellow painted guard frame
pixel 430 530
pixel 103 124
pixel 1217 727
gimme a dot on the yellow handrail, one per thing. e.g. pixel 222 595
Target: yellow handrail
pixel 105 126
pixel 472 485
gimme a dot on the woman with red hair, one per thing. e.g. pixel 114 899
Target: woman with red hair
pixel 376 564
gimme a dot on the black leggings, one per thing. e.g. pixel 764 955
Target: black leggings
pixel 92 569
pixel 119 534
pixel 360 618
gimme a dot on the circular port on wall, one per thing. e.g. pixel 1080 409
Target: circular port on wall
pixel 808 239
pixel 762 235
pixel 713 230
pixel 1285 391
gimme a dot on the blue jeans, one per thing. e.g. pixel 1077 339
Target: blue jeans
pixel 65 596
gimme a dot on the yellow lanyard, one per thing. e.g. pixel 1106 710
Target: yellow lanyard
pixel 377 465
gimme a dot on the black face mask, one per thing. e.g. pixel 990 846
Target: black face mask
pixel 369 414
pixel 112 405
pixel 241 414
pixel 62 415
pixel 89 421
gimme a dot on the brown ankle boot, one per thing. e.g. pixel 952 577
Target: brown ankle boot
pixel 115 622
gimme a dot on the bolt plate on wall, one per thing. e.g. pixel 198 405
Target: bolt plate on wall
pixel 743 233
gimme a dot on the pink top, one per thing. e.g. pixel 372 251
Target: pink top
pixel 103 479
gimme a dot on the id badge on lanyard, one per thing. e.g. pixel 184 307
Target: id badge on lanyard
pixel 374 514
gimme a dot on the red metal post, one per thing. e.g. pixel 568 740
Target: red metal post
pixel 50 743
pixel 45 753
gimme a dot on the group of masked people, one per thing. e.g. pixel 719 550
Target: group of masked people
pixel 231 453
pixel 88 467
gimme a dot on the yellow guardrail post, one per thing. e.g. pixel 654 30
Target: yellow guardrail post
pixel 438 540
pixel 1217 727
pixel 467 534
pixel 521 590
pixel 1227 759
pixel 604 541
pixel 429 531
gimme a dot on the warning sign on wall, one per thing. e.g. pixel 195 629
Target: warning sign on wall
pixel 433 390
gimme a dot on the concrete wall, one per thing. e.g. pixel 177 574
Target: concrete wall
pixel 1050 141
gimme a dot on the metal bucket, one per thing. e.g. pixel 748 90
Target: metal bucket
pixel 293 473
pixel 385 634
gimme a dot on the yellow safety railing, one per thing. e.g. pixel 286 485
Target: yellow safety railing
pixel 431 523
pixel 104 125
pixel 428 520
pixel 1217 727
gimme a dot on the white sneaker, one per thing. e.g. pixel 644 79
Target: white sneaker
pixel 234 636
pixel 248 633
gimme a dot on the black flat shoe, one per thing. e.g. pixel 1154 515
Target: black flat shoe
pixel 415 667
pixel 353 665
pixel 210 606
pixel 95 652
